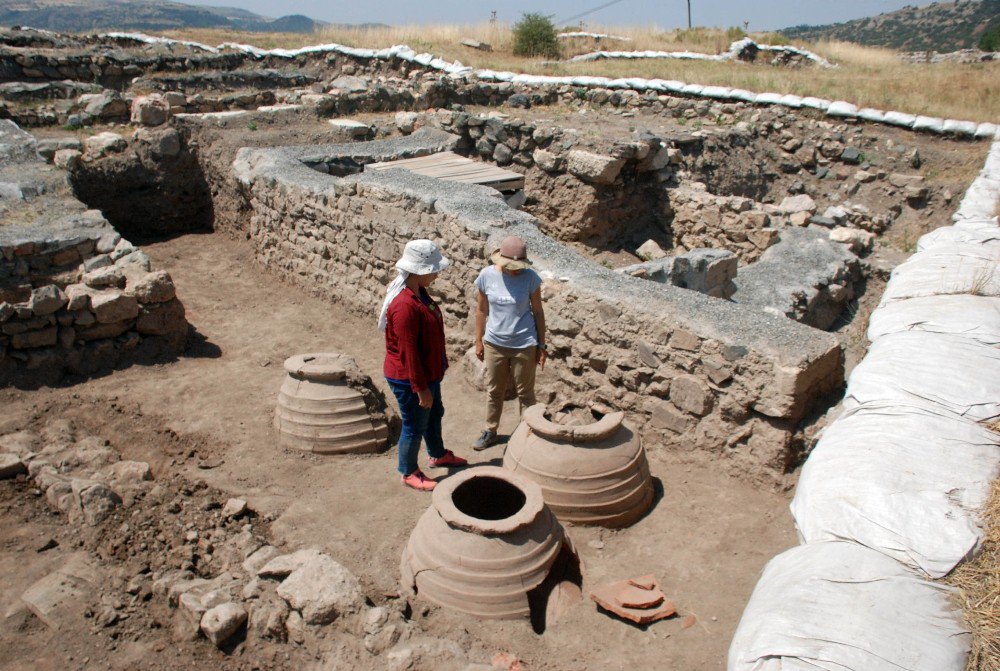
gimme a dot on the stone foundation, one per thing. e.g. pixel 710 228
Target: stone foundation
pixel 74 296
pixel 689 369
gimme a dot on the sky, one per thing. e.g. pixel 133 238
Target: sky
pixel 666 14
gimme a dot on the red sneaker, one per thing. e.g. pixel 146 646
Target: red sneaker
pixel 417 480
pixel 448 459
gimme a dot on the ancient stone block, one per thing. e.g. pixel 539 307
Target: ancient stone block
pixel 66 159
pixel 46 300
pixel 664 415
pixel 43 338
pixel 685 340
pixel 222 621
pixel 691 394
pixel 104 143
pixel 111 306
pixel 594 168
pixel 322 590
pixel 155 287
pixel 800 203
pixel 151 110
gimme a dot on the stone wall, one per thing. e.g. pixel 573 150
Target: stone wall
pixel 74 296
pixel 692 371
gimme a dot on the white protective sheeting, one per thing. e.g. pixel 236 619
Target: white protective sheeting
pixel 988 234
pixel 975 317
pixel 902 480
pixel 840 606
pixel 954 373
pixel 957 268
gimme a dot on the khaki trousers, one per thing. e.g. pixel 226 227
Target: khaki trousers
pixel 503 365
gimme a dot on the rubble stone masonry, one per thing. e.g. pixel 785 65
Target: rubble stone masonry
pixel 692 371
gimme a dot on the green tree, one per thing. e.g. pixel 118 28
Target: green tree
pixel 990 41
pixel 535 35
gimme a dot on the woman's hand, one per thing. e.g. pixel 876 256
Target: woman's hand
pixel 480 350
pixel 540 356
pixel 425 398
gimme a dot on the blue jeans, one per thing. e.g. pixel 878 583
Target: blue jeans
pixel 418 423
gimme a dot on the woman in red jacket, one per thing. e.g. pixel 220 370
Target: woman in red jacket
pixel 415 360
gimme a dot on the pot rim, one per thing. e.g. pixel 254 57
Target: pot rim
pixel 587 433
pixel 442 499
pixel 319 366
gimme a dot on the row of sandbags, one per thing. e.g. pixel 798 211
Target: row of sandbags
pixel 731 54
pixel 832 108
pixel 889 497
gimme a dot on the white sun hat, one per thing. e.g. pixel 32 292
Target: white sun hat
pixel 422 257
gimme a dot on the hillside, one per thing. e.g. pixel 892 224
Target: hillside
pixel 88 15
pixel 942 26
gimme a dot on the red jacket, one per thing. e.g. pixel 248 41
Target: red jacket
pixel 414 341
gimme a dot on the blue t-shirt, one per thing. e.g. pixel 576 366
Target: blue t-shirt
pixel 511 322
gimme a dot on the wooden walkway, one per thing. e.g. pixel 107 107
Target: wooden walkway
pixel 454 168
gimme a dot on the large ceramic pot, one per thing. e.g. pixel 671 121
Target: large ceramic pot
pixel 326 405
pixel 591 474
pixel 486 541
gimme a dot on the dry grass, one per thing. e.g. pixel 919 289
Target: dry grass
pixel 979 585
pixel 867 76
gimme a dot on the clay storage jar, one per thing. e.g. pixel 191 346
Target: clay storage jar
pixel 591 474
pixel 318 411
pixel 486 541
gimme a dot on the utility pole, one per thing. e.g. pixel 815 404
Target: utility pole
pixel 689 14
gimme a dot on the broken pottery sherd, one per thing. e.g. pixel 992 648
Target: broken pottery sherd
pixel 592 474
pixel 639 604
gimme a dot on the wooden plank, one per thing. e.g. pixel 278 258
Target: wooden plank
pixel 452 167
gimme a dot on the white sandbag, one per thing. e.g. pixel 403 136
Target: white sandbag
pixel 902 480
pixel 958 268
pixel 966 128
pixel 768 98
pixel 693 89
pixel 986 130
pixel 986 235
pixel 839 606
pixel 791 100
pixel 936 370
pixel 674 86
pixel 717 92
pixel 638 83
pixel 841 108
pixel 975 317
pixel 900 119
pixel 932 124
pixel 816 103
pixel 869 114
pixel 742 94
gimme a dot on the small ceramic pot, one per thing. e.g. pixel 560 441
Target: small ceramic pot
pixel 322 407
pixel 486 541
pixel 591 474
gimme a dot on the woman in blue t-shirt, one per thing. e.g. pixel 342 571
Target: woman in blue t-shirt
pixel 510 330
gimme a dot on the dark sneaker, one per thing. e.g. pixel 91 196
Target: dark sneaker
pixel 485 440
pixel 449 458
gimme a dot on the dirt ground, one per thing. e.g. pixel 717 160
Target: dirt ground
pixel 206 418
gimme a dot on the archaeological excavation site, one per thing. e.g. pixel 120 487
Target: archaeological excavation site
pixel 771 395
